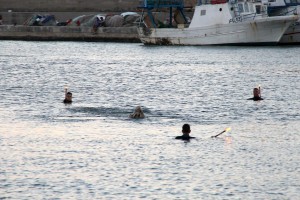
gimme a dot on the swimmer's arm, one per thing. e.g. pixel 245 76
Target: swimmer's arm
pixel 66 91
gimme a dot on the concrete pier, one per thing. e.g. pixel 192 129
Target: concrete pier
pixel 16 12
pixel 68 33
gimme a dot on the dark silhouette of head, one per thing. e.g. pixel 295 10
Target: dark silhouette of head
pixel 256 92
pixel 186 129
pixel 69 96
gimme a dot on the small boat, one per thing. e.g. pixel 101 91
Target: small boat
pixel 287 7
pixel 214 22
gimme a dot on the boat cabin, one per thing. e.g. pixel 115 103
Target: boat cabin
pixel 282 7
pixel 170 13
pixel 163 13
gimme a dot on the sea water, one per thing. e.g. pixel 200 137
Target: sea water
pixel 92 150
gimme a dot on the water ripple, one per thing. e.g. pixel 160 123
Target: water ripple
pixel 92 150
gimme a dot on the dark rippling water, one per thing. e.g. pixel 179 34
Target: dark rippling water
pixel 92 150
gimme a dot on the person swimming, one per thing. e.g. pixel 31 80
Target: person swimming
pixel 138 113
pixel 186 130
pixel 68 96
pixel 256 95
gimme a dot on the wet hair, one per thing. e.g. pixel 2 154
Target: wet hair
pixel 138 113
pixel 69 93
pixel 186 128
pixel 256 91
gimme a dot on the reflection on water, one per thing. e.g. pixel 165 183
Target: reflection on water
pixel 91 149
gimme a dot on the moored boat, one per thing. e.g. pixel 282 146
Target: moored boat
pixel 286 7
pixel 214 22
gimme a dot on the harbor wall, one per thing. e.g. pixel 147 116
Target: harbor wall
pixel 17 11
pixel 68 33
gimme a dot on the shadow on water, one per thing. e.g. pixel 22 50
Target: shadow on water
pixel 114 113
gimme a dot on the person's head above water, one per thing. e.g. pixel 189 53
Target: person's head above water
pixel 256 95
pixel 68 96
pixel 186 129
pixel 138 109
pixel 256 92
pixel 138 113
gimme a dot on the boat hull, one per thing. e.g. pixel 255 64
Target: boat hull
pixel 263 31
pixel 292 35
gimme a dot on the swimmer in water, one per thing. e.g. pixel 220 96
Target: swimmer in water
pixel 186 130
pixel 68 96
pixel 256 95
pixel 138 113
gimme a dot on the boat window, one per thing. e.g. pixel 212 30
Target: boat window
pixel 202 2
pixel 258 9
pixel 246 7
pixel 264 9
pixel 203 12
pixel 241 8
pixel 251 8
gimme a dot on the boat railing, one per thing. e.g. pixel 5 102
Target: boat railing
pixel 275 11
pixel 250 16
pixel 289 12
pixel 292 2
pixel 149 5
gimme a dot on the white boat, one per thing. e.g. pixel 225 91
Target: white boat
pixel 215 22
pixel 286 7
